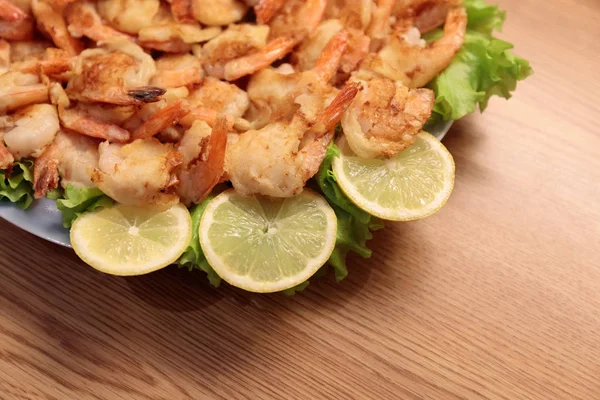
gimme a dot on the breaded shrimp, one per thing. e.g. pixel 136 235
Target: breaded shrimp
pixel 166 34
pixel 218 12
pixel 413 65
pixel 182 11
pixel 117 73
pixel 86 119
pixel 128 16
pixel 278 96
pixel 51 22
pixel 18 90
pixel 297 19
pixel 30 130
pixel 83 20
pixel 307 54
pixel 265 10
pixel 216 97
pixel 52 64
pixel 70 157
pixel 177 70
pixel 379 27
pixel 161 120
pixel 278 159
pixel 386 117
pixel 242 50
pixel 355 14
pixel 142 173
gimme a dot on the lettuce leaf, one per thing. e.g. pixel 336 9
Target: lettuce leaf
pixel 75 202
pixel 193 257
pixel 484 66
pixel 16 184
pixel 354 224
pixel 484 17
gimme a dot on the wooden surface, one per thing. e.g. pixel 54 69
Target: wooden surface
pixel 495 297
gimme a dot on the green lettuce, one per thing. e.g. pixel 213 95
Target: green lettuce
pixel 193 257
pixel 354 224
pixel 73 202
pixel 484 66
pixel 16 184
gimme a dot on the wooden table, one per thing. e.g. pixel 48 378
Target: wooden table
pixel 495 297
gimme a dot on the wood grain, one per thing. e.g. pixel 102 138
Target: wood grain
pixel 495 297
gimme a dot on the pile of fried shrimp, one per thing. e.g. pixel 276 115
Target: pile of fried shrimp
pixel 156 102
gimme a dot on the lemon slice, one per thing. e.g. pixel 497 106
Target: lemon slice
pixel 124 240
pixel 413 184
pixel 264 244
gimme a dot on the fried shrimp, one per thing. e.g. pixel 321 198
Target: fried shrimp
pixel 277 94
pixel 242 50
pixel 216 97
pixel 30 130
pixel 153 118
pixel 218 12
pixel 278 159
pixel 84 20
pixel 182 11
pixel 95 121
pixel 265 10
pixel 168 35
pixel 413 64
pixel 52 23
pixel 142 173
pixel 297 18
pixel 117 73
pixel 128 16
pixel 354 14
pixel 386 117
pixel 18 90
pixel 177 70
pixel 71 157
pixel 306 56
pixel 203 151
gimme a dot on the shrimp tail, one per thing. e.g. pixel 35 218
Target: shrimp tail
pixel 161 120
pixel 314 144
pixel 329 60
pixel 206 170
pixel 333 113
pixel 210 116
pixel 13 98
pixel 379 23
pixel 45 174
pixel 265 10
pixel 92 127
pixel 273 51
